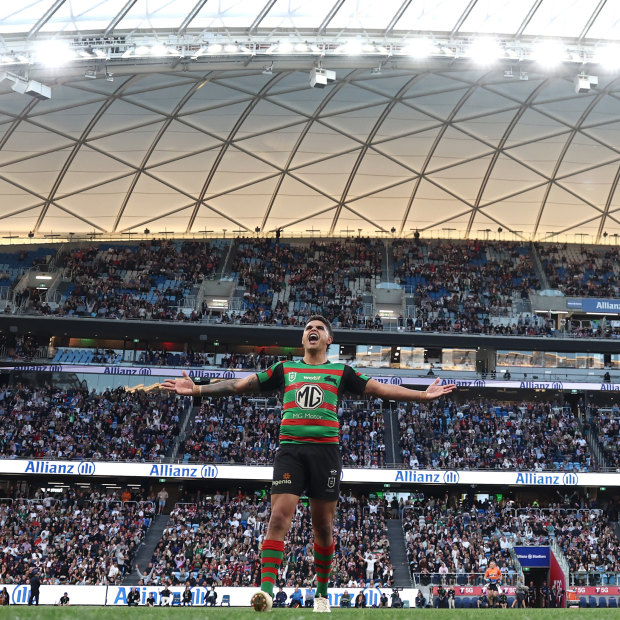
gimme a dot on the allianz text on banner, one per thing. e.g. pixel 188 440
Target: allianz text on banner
pixel 155 372
pixel 188 471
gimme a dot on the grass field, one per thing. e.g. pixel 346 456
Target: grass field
pixel 238 613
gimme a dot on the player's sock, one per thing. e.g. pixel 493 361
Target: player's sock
pixel 323 557
pixel 270 561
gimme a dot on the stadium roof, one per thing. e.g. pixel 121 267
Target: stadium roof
pixel 192 116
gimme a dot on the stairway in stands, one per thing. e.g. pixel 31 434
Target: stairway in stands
pixel 145 553
pixel 392 433
pixel 398 553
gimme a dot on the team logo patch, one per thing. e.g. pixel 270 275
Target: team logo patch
pixel 309 396
pixel 331 480
pixel 292 376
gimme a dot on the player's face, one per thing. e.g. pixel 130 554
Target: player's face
pixel 316 336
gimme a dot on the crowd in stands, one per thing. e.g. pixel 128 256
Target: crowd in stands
pixel 251 361
pixel 581 271
pixel 452 543
pixel 73 537
pixel 246 431
pixel 55 422
pixel 605 424
pixel 458 286
pixel 484 434
pixel 147 281
pixel 286 283
pixel 446 540
pixel 215 540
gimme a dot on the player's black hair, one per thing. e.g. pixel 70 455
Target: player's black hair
pixel 320 317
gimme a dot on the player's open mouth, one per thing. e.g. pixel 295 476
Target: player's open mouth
pixel 313 338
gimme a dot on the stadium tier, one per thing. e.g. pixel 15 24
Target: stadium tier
pixel 454 287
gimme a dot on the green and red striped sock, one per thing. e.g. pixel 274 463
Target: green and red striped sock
pixel 323 557
pixel 271 555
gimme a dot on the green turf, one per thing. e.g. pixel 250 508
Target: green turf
pixel 237 613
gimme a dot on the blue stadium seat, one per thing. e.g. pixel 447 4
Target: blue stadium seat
pixel 592 602
pixel 602 602
pixel 612 602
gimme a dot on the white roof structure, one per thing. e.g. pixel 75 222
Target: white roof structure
pixel 197 116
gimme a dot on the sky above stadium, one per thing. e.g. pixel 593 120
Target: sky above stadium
pixel 457 118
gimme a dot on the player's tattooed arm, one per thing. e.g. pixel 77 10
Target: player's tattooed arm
pixel 227 387
pixel 218 387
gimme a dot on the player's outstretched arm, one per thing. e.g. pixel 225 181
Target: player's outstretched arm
pixel 397 392
pixel 227 387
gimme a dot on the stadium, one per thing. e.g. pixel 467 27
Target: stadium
pixel 187 185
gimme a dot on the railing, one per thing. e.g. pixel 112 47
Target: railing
pixel 460 579
pixel 595 578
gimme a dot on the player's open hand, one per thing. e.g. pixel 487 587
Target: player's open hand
pixel 184 386
pixel 434 390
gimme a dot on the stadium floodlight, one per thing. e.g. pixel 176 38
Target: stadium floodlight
pixel 420 48
pixel 485 51
pixel 231 48
pixel 284 47
pixel 548 53
pixel 215 48
pixel 351 48
pixel 54 53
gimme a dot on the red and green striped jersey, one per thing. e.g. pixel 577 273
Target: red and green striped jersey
pixel 311 397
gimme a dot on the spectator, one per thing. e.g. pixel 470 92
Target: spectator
pixel 345 599
pixel 165 597
pixel 360 599
pixel 64 600
pixel 186 598
pixel 211 597
pixel 420 600
pixel 162 498
pixel 396 600
pixel 133 598
pixel 280 598
pixel 297 599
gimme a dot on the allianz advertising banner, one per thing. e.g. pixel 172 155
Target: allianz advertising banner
pixel 237 597
pixel 85 470
pixel 533 557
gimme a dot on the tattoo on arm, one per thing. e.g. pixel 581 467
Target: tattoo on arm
pixel 229 386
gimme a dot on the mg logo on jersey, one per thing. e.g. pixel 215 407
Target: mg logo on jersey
pixel 309 396
pixel 292 376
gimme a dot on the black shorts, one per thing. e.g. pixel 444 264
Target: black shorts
pixel 492 587
pixel 314 469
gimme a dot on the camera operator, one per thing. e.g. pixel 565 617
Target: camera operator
pixel 396 600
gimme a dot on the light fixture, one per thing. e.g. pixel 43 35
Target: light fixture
pixel 583 83
pixel 23 86
pixel 109 76
pixel 54 53
pixel 90 74
pixel 549 53
pixel 320 78
pixel 285 47
pixel 485 51
pixel 420 48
